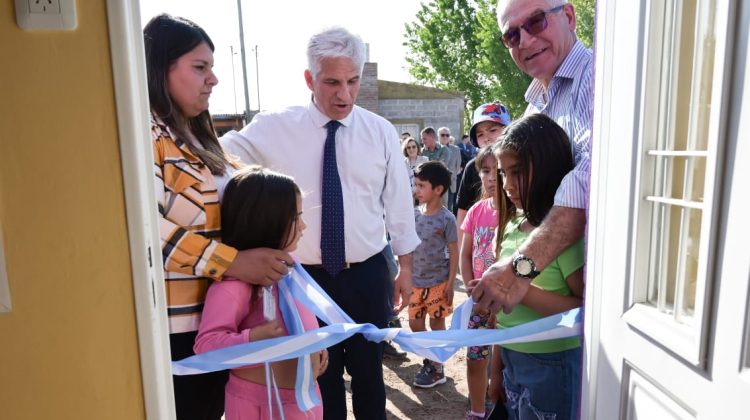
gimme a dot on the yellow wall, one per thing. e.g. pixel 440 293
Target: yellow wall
pixel 69 349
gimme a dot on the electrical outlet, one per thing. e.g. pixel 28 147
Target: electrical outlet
pixel 45 15
pixel 45 7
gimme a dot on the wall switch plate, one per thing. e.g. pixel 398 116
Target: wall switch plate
pixel 46 14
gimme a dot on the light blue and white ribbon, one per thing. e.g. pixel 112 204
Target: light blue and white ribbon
pixel 434 345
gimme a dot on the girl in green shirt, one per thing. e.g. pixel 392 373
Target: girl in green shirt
pixel 541 379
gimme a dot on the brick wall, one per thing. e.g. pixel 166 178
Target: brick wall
pixel 368 88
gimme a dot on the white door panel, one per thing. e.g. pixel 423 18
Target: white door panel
pixel 668 263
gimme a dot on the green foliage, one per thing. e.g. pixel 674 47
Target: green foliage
pixel 585 10
pixel 455 44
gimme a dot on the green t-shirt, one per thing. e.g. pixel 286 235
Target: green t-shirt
pixel 551 279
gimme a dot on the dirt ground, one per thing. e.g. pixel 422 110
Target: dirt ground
pixel 443 402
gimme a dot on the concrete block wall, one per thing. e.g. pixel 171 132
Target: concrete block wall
pixel 433 112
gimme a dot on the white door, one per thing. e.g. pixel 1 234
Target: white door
pixel 668 262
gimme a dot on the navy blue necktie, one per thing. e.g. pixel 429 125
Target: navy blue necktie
pixel 332 246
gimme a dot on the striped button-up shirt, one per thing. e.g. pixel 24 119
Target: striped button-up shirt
pixel 189 227
pixel 569 100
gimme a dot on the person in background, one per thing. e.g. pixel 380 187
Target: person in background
pixel 453 162
pixel 190 168
pixel 347 160
pixel 468 150
pixel 435 263
pixel 412 158
pixel 540 36
pixel 260 208
pixel 487 126
pixel 433 150
pixel 540 378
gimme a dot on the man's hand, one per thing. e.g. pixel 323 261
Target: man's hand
pixel 402 291
pixel 499 288
pixel 261 266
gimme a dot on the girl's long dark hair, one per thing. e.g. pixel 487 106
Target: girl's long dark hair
pixel 259 209
pixel 544 158
pixel 167 38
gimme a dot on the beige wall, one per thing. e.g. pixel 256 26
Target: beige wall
pixel 69 349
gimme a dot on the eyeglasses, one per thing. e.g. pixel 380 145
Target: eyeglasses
pixel 534 25
pixel 411 147
pixel 445 135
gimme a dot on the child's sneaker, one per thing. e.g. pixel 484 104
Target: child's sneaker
pixel 428 376
pixel 471 416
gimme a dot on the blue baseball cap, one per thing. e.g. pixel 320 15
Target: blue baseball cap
pixel 493 111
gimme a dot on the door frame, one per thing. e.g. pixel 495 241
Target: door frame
pixel 730 204
pixel 131 99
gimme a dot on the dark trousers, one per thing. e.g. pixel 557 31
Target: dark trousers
pixel 197 397
pixel 361 292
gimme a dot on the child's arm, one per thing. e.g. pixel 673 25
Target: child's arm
pixel 452 268
pixel 548 303
pixel 467 273
pixel 227 305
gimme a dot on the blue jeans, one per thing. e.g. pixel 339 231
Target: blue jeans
pixel 542 386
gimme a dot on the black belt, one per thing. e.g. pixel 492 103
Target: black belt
pixel 320 266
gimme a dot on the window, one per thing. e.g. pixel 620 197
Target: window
pixel 677 172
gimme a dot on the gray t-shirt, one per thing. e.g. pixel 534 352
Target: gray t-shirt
pixel 431 263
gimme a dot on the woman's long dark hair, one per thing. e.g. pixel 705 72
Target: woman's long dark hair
pixel 544 158
pixel 167 38
pixel 259 209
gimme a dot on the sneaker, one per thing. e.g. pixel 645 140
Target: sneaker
pixel 394 323
pixel 391 352
pixel 472 416
pixel 428 376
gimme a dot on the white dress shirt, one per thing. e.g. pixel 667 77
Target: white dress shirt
pixel 375 186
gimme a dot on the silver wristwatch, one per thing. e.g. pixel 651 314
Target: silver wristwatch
pixel 524 266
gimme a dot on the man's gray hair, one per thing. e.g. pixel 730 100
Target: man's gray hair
pixel 444 129
pixel 501 4
pixel 334 42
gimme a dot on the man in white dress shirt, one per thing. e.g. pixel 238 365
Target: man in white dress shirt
pixel 376 196
pixel 541 38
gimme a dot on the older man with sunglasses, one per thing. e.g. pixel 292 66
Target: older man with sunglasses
pixel 540 35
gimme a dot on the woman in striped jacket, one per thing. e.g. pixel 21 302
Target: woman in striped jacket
pixel 190 168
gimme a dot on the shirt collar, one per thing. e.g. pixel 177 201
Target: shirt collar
pixel 568 69
pixel 320 119
pixel 167 131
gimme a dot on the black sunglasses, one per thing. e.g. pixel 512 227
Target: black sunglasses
pixel 534 25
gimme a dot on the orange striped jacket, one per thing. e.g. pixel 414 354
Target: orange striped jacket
pixel 189 227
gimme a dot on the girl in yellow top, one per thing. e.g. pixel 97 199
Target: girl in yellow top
pixel 541 379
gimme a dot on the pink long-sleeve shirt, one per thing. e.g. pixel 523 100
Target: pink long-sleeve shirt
pixel 229 314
